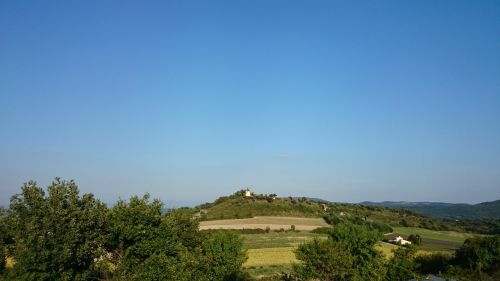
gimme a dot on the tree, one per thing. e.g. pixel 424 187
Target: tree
pixel 222 257
pixel 324 260
pixel 133 228
pixel 415 239
pixel 348 254
pixel 479 254
pixel 56 236
pixel 401 266
pixel 3 239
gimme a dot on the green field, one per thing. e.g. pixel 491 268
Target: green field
pixel 435 241
pixel 278 239
pixel 273 252
pixel 450 236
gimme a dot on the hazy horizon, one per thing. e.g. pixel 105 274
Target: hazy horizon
pixel 347 101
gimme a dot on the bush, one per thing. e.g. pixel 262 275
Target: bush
pixel 348 254
pixel 401 266
pixel 324 260
pixel 322 230
pixel 381 227
pixel 479 254
pixel 2 258
pixel 435 263
pixel 223 257
pixel 415 239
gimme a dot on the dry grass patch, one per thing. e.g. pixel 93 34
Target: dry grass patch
pixel 386 249
pixel 270 256
pixel 274 223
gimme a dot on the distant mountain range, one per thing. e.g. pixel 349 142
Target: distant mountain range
pixel 490 210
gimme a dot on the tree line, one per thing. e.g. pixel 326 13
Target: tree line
pixel 62 235
pixel 58 234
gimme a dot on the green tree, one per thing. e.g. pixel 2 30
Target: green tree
pixel 348 254
pixel 3 239
pixel 133 228
pixel 222 257
pixel 401 267
pixel 479 254
pixel 56 236
pixel 360 242
pixel 415 239
pixel 324 260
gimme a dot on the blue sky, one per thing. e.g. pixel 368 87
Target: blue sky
pixel 190 100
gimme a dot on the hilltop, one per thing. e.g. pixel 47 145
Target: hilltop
pixel 485 210
pixel 239 205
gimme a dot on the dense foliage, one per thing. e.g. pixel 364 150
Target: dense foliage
pixel 58 234
pixel 349 254
pixel 64 236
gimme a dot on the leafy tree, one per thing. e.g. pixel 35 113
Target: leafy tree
pixel 133 227
pixel 348 254
pixel 161 267
pixel 324 260
pixel 56 236
pixel 381 227
pixel 222 257
pixel 434 263
pixel 401 266
pixel 415 239
pixel 479 254
pixel 3 239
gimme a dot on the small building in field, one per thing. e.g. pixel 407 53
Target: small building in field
pixel 399 241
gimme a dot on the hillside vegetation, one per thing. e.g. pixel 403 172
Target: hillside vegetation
pixel 239 206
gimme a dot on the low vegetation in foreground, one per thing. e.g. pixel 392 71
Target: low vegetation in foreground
pixel 59 234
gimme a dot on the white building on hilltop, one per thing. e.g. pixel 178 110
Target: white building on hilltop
pixel 248 193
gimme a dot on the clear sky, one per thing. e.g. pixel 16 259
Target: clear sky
pixel 189 100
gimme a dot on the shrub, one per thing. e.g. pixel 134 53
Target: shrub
pixel 322 230
pixel 381 227
pixel 434 263
pixel 479 254
pixel 415 239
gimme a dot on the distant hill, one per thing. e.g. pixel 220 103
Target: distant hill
pixel 485 210
pixel 239 206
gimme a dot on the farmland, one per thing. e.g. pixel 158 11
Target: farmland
pixel 273 252
pixel 443 241
pixel 274 223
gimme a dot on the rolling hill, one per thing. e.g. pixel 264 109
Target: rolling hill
pixel 485 210
pixel 238 206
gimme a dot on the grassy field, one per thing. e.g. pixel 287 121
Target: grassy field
pixel 271 256
pixel 273 252
pixel 435 241
pixel 386 249
pixel 278 239
pixel 450 236
pixel 273 222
